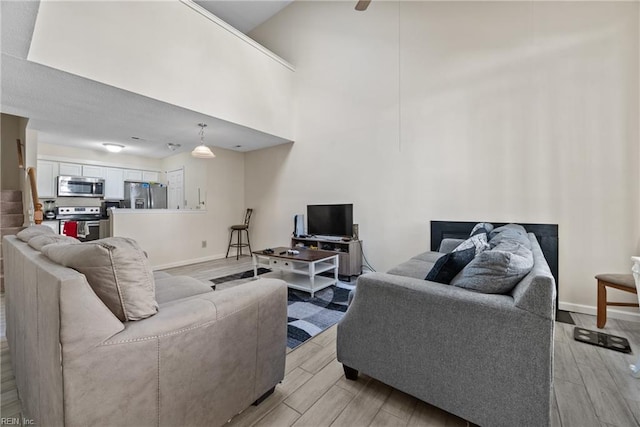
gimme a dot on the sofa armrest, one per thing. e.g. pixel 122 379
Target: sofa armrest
pixel 447 245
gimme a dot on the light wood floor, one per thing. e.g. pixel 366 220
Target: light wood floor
pixel 592 386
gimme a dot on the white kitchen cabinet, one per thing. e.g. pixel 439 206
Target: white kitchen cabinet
pixel 114 184
pixel 150 176
pixel 132 175
pixel 70 169
pixel 93 171
pixel 46 178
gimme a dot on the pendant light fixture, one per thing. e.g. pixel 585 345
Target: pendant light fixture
pixel 202 151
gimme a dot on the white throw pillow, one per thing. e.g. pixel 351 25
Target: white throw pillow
pixel 117 271
pixel 38 242
pixel 33 231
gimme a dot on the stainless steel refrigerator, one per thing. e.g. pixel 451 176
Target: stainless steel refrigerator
pixel 145 195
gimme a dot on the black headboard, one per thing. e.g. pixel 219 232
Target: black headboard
pixel 547 235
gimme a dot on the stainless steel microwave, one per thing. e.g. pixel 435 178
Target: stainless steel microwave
pixel 80 186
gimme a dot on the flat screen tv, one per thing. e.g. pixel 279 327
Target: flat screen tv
pixel 330 220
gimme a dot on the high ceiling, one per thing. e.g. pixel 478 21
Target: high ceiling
pixel 69 110
pixel 244 15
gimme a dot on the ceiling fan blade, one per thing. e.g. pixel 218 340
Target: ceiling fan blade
pixel 363 5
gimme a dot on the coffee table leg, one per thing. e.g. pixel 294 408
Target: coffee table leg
pixel 255 266
pixel 336 262
pixel 312 276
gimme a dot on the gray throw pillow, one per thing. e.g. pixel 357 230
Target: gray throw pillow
pixel 515 227
pixel 496 271
pixel 117 271
pixel 38 242
pixel 33 231
pixel 478 241
pixel 510 235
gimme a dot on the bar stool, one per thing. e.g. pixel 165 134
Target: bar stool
pixel 239 228
pixel 622 282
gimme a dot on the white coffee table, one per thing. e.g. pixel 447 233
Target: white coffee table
pixel 300 271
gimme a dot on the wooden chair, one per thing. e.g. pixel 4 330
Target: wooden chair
pixel 239 228
pixel 622 282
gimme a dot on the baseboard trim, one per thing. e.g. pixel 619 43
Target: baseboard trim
pixel 187 262
pixel 612 313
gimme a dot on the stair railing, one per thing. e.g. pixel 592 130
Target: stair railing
pixel 38 216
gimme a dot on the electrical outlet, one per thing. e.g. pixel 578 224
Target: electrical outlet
pixel 204 243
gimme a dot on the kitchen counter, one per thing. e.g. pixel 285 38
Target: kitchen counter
pixel 127 211
pixel 172 237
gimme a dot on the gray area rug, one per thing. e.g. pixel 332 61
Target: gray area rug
pixel 243 275
pixel 306 316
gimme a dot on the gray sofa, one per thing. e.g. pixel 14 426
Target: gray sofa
pixel 202 358
pixel 487 358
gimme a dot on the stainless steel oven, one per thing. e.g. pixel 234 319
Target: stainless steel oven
pixel 92 229
pixel 82 222
pixel 80 186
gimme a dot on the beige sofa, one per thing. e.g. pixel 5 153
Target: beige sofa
pixel 202 358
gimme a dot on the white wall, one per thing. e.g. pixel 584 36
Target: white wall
pixel 496 111
pixel 12 129
pixel 170 52
pixel 220 180
pixel 175 238
pixel 170 238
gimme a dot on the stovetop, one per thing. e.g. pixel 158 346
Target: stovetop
pixel 78 212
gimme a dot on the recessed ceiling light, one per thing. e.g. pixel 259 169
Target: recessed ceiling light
pixel 238 146
pixel 173 146
pixel 135 137
pixel 113 148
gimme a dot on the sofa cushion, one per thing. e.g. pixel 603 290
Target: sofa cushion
pixel 428 256
pixel 510 235
pixel 448 244
pixel 38 242
pixel 514 227
pixel 117 271
pixel 415 268
pixel 160 274
pixel 446 268
pixel 33 231
pixel 496 271
pixel 173 288
pixel 477 241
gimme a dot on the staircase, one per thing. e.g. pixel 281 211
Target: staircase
pixel 11 220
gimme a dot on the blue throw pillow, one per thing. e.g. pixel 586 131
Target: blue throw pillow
pixel 449 265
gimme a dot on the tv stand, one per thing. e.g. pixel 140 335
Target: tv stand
pixel 326 238
pixel 349 252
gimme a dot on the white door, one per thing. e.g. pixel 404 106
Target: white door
pixel 175 189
